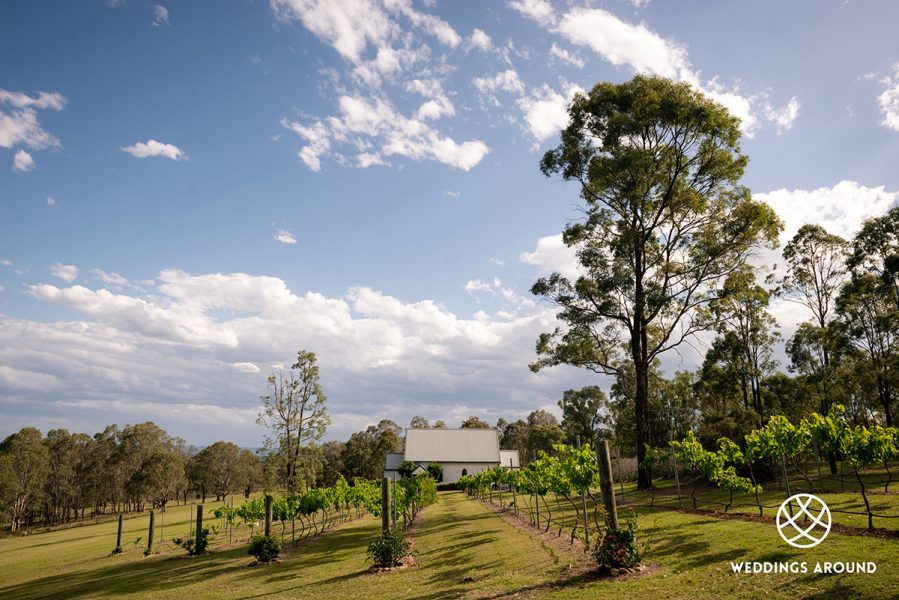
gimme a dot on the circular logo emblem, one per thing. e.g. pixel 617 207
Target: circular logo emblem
pixel 803 520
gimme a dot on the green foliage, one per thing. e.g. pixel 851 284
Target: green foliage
pixel 713 465
pixel 265 548
pixel 389 549
pixel 295 413
pixel 195 546
pixel 779 438
pixel 436 472
pixel 406 468
pixel 829 431
pixel 666 221
pixel 617 548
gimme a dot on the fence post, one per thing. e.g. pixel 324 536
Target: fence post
pixel 162 523
pixel 385 505
pixel 118 539
pixel 393 499
pixel 606 485
pixel 199 527
pixel 268 515
pixel 149 549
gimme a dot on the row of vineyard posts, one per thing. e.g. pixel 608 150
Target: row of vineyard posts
pixel 306 514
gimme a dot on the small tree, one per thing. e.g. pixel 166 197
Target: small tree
pixel 865 448
pixel 294 411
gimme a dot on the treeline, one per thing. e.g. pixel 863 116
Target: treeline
pixel 66 476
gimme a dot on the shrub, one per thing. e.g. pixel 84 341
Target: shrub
pixel 195 546
pixel 617 548
pixel 265 548
pixel 406 468
pixel 436 472
pixel 389 548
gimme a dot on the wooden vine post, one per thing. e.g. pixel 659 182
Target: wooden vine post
pixel 199 528
pixel 268 515
pixel 118 539
pixel 149 549
pixel 385 505
pixel 514 495
pixel 606 485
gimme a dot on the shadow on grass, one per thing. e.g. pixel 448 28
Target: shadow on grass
pixel 159 574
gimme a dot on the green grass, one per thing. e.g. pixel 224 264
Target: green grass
pixel 462 550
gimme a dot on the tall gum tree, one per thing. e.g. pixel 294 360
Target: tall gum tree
pixel 666 220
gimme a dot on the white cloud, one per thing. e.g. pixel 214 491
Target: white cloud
pixel 642 50
pixel 43 100
pixel 496 261
pixel 546 110
pixel 285 237
pixel 160 15
pixel 540 11
pixel 429 88
pixel 451 194
pixel 478 285
pixel 889 100
pixel 349 27
pixel 6 262
pixel 783 117
pixel 113 279
pixel 435 109
pixel 506 81
pixel 206 343
pixel 319 142
pixel 372 120
pixel 22 162
pixel 840 209
pixel 369 159
pixel 431 24
pixel 480 40
pixel 51 201
pixel 153 148
pixel 21 126
pixel 552 256
pixel 68 273
pixel 565 56
pixel 622 43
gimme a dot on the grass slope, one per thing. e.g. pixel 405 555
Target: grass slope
pixel 462 549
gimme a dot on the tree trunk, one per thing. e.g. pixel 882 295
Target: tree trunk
pixel 641 405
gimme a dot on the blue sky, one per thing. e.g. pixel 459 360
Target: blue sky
pixel 190 192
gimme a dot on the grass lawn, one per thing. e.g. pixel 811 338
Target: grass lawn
pixel 462 549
